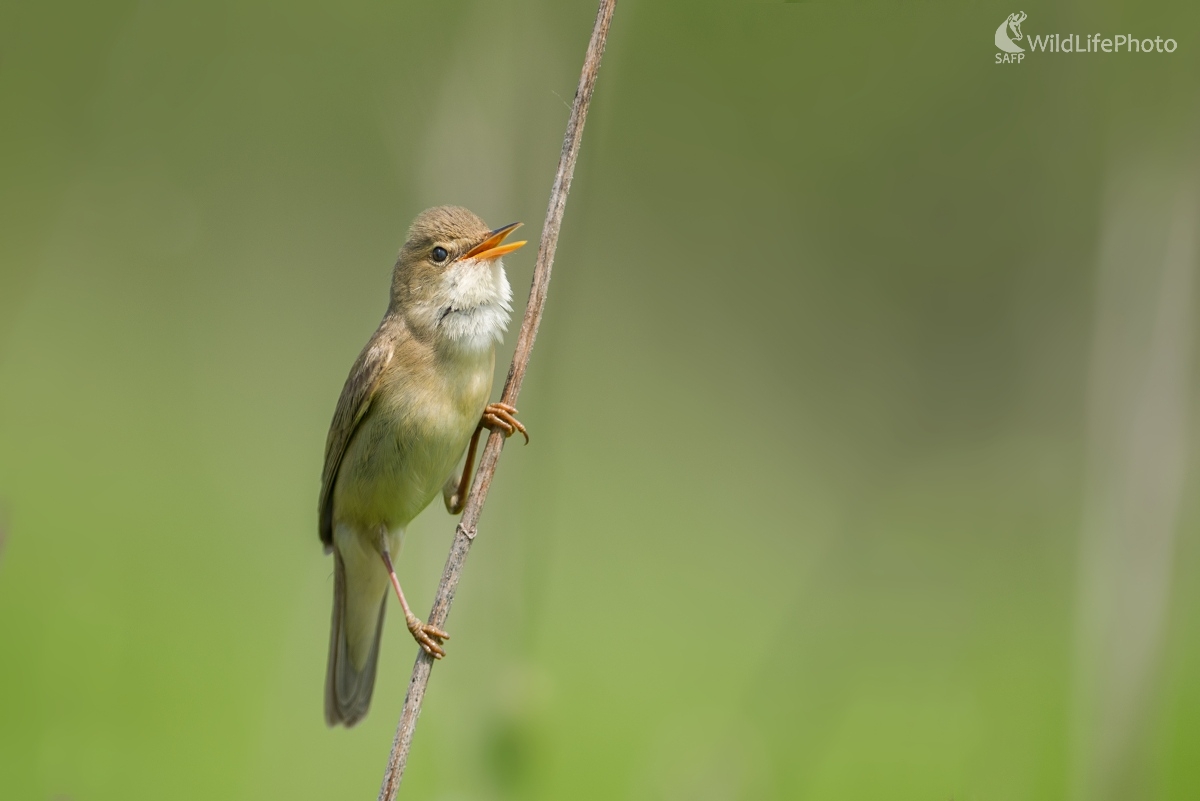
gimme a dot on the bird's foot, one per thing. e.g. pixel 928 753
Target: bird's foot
pixel 430 638
pixel 503 418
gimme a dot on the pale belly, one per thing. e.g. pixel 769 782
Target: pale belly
pixel 407 446
pixel 393 469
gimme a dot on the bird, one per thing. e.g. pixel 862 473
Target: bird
pixel 415 401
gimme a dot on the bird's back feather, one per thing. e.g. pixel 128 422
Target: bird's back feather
pixel 352 405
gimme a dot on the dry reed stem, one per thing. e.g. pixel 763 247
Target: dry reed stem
pixel 465 532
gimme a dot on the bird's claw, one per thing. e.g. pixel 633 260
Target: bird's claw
pixel 429 637
pixel 502 417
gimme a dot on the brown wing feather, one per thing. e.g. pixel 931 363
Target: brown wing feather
pixel 352 405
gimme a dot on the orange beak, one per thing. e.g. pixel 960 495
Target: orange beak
pixel 491 248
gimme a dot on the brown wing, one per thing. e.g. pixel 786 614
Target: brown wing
pixel 352 405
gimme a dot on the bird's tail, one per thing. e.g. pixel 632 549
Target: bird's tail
pixel 348 686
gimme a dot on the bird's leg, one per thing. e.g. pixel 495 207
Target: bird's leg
pixel 496 417
pixel 429 637
pixel 454 493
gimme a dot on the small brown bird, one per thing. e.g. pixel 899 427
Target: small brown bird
pixel 406 415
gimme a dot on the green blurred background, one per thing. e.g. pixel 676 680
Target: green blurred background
pixel 861 463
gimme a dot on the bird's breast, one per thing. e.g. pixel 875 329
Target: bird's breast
pixel 410 441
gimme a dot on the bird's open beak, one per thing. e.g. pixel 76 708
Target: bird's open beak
pixel 491 248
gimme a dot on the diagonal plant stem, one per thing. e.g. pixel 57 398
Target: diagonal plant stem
pixel 464 534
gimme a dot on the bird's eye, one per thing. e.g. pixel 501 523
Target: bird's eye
pixel 440 254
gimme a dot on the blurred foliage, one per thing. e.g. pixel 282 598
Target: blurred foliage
pixel 801 513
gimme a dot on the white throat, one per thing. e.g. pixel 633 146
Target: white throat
pixel 474 306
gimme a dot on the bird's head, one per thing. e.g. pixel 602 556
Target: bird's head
pixel 449 282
